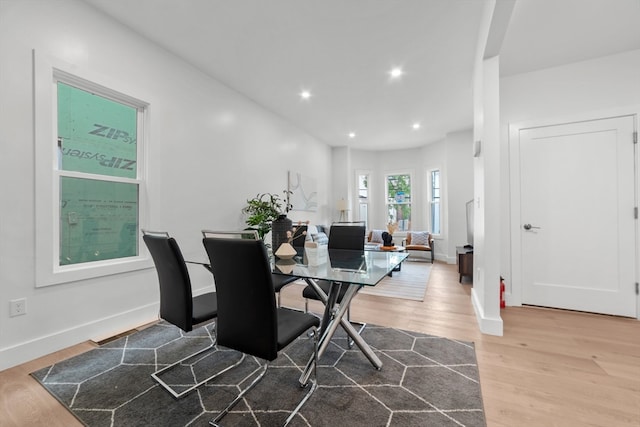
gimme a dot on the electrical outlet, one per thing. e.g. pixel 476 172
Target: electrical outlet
pixel 18 307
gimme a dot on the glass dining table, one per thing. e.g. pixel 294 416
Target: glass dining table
pixel 351 268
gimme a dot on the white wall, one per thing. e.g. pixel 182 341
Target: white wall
pixel 572 92
pixel 210 150
pixel 342 182
pixel 487 193
pixel 486 166
pixel 459 189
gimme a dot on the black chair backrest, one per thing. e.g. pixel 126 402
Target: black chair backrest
pixel 347 260
pixel 299 236
pixel 176 300
pixel 347 237
pixel 247 316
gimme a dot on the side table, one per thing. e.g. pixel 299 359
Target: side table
pixel 465 262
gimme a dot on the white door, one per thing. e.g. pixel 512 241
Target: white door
pixel 577 225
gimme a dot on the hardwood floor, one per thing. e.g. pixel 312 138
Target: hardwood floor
pixel 551 367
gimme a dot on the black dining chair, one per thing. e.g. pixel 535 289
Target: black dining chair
pixel 248 319
pixel 347 235
pixel 177 304
pixel 342 235
pixel 279 280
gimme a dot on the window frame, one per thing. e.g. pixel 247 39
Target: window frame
pixel 430 200
pixel 411 202
pixel 47 73
pixel 366 202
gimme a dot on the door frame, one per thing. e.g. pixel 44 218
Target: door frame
pixel 514 291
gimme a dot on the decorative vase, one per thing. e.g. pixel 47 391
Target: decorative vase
pixel 285 251
pixel 279 228
pixel 286 265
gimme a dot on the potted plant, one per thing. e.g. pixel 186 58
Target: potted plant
pixel 263 209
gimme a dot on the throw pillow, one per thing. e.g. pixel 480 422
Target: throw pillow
pixel 420 238
pixel 376 236
pixel 320 238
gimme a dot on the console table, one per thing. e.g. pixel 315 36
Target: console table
pixel 465 262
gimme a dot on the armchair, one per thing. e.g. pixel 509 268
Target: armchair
pixel 419 241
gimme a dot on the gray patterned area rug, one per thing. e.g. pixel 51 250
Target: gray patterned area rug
pixel 425 381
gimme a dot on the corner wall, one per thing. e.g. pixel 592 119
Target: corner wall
pixel 487 191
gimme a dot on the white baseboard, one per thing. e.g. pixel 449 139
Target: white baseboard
pixel 449 259
pixel 105 327
pixel 488 325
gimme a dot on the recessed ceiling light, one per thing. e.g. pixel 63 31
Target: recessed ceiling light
pixel 352 134
pixel 396 72
pixel 416 125
pixel 305 94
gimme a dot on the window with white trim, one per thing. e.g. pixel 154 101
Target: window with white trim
pixel 398 200
pixel 98 182
pixel 435 206
pixel 363 198
pixel 90 182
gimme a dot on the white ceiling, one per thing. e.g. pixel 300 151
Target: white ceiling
pixel 342 51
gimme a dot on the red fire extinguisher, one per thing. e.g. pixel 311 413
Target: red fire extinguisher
pixel 502 303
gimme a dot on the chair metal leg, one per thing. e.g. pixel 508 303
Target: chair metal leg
pixel 314 382
pixel 225 411
pixel 178 395
pixel 263 371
